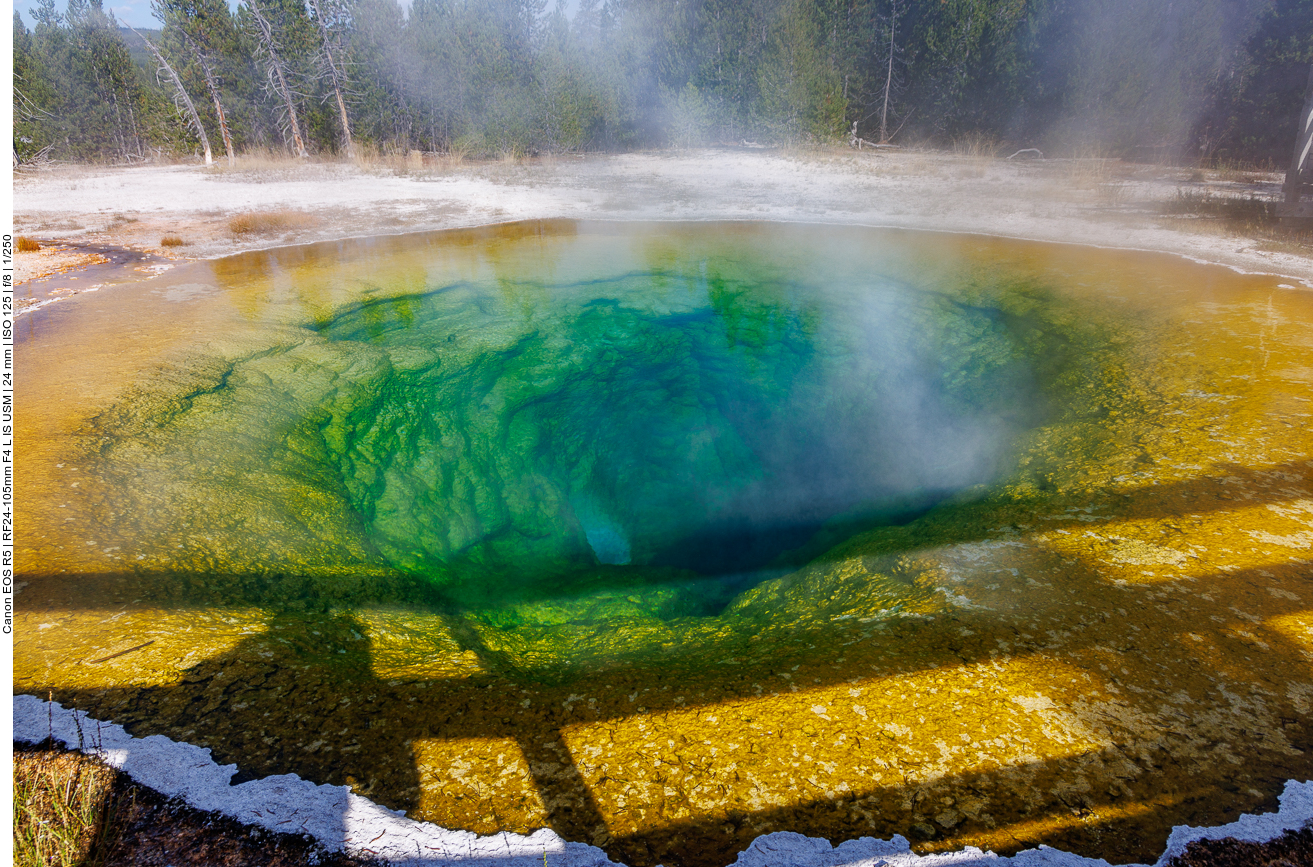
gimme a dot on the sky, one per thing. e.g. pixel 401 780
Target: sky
pixel 137 12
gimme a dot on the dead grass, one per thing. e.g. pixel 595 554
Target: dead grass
pixel 1091 171
pixel 1249 216
pixel 904 162
pixel 172 241
pixel 261 160
pixel 1237 173
pixel 25 244
pixel 61 808
pixel 1244 210
pixel 264 165
pixel 1094 176
pixel 370 159
pixel 1112 194
pixel 409 163
pixel 270 222
pixel 977 145
pixel 72 809
pixel 1294 242
pixel 976 153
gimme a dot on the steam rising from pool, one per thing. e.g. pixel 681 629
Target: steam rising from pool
pixel 663 418
pixel 701 417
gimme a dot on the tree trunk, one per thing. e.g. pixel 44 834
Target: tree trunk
pixel 279 78
pixel 223 127
pixel 889 77
pixel 336 75
pixel 297 142
pixel 346 124
pixel 180 93
pixel 136 132
pixel 118 122
pixel 212 84
pixel 1303 144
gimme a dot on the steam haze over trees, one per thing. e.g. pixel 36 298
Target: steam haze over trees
pixel 1150 79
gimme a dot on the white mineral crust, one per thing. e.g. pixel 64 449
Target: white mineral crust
pixel 341 821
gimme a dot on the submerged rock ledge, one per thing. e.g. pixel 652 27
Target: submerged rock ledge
pixel 342 821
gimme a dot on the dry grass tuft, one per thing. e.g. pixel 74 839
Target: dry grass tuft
pixel 457 153
pixel 977 145
pixel 1090 171
pixel 978 153
pixel 261 161
pixel 410 163
pixel 119 822
pixel 1249 216
pixel 172 241
pixel 269 222
pixel 448 161
pixel 1243 173
pixel 371 158
pixel 1243 210
pixel 1113 194
pixel 1107 178
pixel 61 807
pixel 25 244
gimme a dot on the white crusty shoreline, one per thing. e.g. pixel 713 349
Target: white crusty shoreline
pixel 341 821
pixel 1091 203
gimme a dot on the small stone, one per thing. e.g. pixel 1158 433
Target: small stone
pixel 948 818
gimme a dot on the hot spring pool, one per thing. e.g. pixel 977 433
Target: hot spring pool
pixel 668 535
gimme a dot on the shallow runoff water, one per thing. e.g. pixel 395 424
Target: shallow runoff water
pixel 667 535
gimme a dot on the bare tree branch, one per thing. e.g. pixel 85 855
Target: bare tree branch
pixel 276 69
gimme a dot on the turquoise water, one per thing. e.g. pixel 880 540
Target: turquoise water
pixel 708 417
pixel 640 421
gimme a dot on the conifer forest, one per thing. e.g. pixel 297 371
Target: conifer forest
pixel 1197 81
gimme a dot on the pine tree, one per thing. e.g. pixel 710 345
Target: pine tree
pixel 384 73
pixel 77 90
pixel 34 122
pixel 1253 107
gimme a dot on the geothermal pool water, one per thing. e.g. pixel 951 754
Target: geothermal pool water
pixel 666 536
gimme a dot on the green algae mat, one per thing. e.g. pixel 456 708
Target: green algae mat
pixel 669 535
